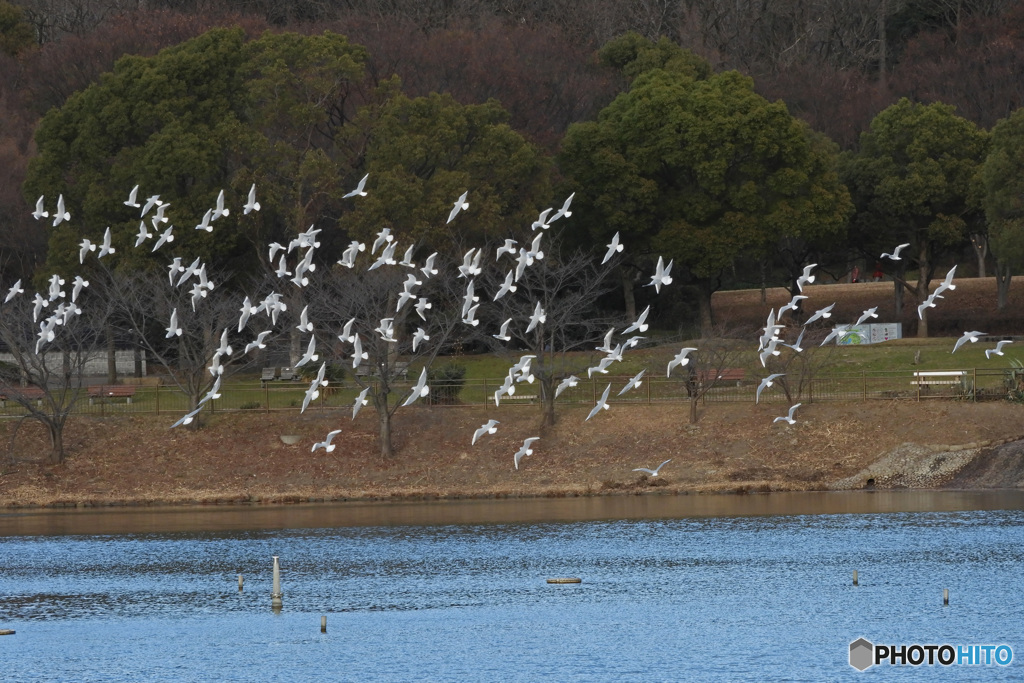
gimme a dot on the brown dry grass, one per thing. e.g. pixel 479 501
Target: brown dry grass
pixel 240 458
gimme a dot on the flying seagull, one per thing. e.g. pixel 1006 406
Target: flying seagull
pixel 218 211
pixel 655 471
pixel 14 291
pixel 40 212
pixel 173 329
pixel 538 317
pixel 680 359
pixel 489 427
pixel 789 417
pixel 613 247
pixel 326 443
pixel 821 313
pixel 947 283
pixel 251 204
pixel 564 211
pixel 460 205
pixel 570 381
pixel 360 402
pixel 968 337
pixel 641 323
pixel 503 332
pixel 661 275
pixel 524 450
pixel 633 383
pixel 869 313
pixel 895 255
pixel 998 351
pixel 359 191
pixel 133 198
pixel 61 215
pixel 766 382
pixel 419 390
pixel 602 402
pixel 805 277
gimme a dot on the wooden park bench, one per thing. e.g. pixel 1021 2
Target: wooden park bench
pixel 289 375
pixel 269 375
pixel 21 394
pixel 519 397
pixel 932 377
pixel 125 391
pixel 926 379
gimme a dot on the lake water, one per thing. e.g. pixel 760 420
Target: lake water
pixel 673 588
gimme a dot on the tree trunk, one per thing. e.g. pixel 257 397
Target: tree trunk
pixel 1003 277
pixel 386 448
pixel 980 244
pixel 627 293
pixel 923 275
pixel 111 356
pixel 898 289
pixel 56 442
pixel 547 396
pixel 693 409
pixel 707 320
pixel 294 346
pixel 380 402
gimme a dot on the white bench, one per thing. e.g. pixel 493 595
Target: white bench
pixel 932 377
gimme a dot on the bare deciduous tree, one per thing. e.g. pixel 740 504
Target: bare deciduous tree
pixel 50 347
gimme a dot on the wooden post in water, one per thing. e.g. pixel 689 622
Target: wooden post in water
pixel 323 624
pixel 239 583
pixel 855 578
pixel 275 594
pixel 945 596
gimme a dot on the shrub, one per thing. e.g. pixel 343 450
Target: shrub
pixel 251 405
pixel 446 383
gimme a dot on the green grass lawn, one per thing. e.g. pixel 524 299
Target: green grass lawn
pixel 875 369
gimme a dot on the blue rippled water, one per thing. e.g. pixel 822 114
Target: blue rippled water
pixel 718 598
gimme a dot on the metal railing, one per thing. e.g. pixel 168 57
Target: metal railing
pixel 974 384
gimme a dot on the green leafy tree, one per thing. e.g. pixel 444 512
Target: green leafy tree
pixel 613 192
pixel 424 152
pixel 213 113
pixel 911 183
pixel 703 172
pixel 16 34
pixel 1002 179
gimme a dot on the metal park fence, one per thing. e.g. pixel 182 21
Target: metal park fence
pixel 972 384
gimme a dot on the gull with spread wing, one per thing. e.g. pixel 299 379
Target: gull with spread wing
pixel 788 417
pixel 602 402
pixel 524 450
pixel 359 191
pixel 765 383
pixel 489 427
pixel 655 471
pixel 419 390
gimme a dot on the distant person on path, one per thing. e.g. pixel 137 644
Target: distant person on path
pixel 855 275
pixel 878 274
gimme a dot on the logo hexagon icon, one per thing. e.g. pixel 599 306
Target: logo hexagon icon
pixel 861 654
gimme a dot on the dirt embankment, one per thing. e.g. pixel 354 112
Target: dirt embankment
pixel 733 448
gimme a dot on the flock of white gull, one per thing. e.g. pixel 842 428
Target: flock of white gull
pixel 272 305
